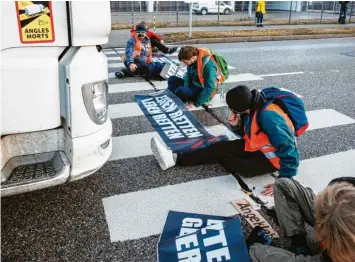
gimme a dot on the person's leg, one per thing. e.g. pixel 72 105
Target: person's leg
pixel 294 206
pixel 261 19
pixel 174 82
pixel 154 70
pixel 187 94
pixel 166 50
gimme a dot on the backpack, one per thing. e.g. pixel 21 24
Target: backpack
pixel 221 64
pixel 289 103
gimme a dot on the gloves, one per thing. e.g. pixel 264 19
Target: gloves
pixel 258 235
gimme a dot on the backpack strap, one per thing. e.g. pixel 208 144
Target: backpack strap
pixel 258 117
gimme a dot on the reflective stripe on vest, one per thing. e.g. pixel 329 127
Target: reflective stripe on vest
pixel 138 49
pixel 202 52
pixel 260 141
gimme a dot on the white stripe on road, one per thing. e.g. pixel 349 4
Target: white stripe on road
pixel 109 52
pixel 122 145
pixel 114 58
pixel 283 74
pixel 116 65
pixel 141 214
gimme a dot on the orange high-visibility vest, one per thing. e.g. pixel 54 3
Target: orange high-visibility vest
pixel 138 49
pixel 260 141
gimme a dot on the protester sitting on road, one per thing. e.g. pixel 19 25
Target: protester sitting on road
pixel 200 82
pixel 156 40
pixel 331 213
pixel 259 152
pixel 138 57
pixel 343 8
pixel 259 13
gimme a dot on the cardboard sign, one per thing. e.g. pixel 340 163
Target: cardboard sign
pixel 35 22
pixel 197 237
pixel 253 217
pixel 176 125
pixel 170 69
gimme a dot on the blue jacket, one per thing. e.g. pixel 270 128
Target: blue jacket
pixel 210 76
pixel 130 49
pixel 282 139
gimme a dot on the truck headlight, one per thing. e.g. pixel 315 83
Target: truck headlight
pixel 95 100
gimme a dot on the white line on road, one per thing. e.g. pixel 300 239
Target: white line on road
pixel 141 214
pixel 283 74
pixel 114 58
pixel 116 65
pixel 122 145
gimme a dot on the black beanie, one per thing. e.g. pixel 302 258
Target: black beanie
pixel 141 28
pixel 239 98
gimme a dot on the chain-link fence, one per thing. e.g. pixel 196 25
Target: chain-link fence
pixel 213 13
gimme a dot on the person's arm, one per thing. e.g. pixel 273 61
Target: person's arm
pixel 130 51
pixel 151 34
pixel 187 77
pixel 283 140
pixel 210 77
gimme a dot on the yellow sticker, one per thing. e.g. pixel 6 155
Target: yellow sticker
pixel 35 22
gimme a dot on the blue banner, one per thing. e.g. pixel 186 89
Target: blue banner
pixel 197 237
pixel 176 125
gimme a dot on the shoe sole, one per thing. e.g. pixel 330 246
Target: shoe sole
pixel 156 152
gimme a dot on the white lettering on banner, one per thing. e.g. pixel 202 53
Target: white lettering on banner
pixel 218 254
pixel 187 127
pixel 193 255
pixel 186 241
pixel 174 132
pixel 176 114
pixel 151 106
pixel 192 222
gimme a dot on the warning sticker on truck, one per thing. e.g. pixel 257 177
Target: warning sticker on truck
pixel 35 21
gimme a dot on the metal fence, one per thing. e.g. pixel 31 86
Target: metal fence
pixel 176 13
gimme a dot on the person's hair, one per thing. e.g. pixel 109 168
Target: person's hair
pixel 144 23
pixel 186 52
pixel 335 221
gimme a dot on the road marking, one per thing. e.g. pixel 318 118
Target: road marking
pixel 141 214
pixel 109 52
pixel 282 74
pixel 116 65
pixel 114 58
pixel 122 145
pixel 327 118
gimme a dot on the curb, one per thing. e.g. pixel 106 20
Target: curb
pixel 259 39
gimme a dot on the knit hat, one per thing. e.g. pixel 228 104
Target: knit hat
pixel 239 98
pixel 140 28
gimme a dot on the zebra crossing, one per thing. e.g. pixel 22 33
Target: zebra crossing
pixel 209 195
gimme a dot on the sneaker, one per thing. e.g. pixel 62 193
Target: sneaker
pixel 162 154
pixel 119 74
pixel 172 49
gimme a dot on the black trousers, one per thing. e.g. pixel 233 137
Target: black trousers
pixel 231 155
pixel 155 42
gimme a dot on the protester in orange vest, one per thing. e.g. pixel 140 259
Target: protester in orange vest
pixel 258 153
pixel 138 57
pixel 259 13
pixel 156 40
pixel 200 82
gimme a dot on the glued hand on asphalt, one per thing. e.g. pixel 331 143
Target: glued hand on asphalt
pixel 269 190
pixel 233 119
pixel 190 106
pixel 132 67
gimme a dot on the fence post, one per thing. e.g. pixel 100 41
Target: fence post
pixel 132 13
pixel 321 14
pixel 289 17
pixel 218 13
pixel 249 8
pixel 140 11
pixel 177 13
pixel 351 11
pixel 190 20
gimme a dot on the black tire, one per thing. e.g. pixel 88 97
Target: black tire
pixel 227 11
pixel 204 11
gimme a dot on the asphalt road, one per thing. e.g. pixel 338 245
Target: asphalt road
pixel 94 220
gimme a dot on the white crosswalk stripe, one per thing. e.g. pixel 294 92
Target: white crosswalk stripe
pixel 121 210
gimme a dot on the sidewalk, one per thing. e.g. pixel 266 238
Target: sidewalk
pixel 118 38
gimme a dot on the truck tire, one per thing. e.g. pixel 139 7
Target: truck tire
pixel 227 11
pixel 204 11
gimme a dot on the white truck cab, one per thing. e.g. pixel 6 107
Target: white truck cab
pixel 54 114
pixel 206 7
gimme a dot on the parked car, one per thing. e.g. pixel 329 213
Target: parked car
pixel 206 7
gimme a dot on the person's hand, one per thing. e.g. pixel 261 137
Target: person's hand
pixel 269 190
pixel 162 42
pixel 132 67
pixel 190 106
pixel 233 119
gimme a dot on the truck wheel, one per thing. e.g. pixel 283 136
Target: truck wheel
pixel 203 11
pixel 227 11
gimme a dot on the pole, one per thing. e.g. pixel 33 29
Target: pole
pixel 321 14
pixel 218 13
pixel 140 11
pixel 249 8
pixel 190 20
pixel 351 11
pixel 132 14
pixel 154 24
pixel 289 18
pixel 177 13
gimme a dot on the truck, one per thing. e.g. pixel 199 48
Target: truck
pixel 54 110
pixel 206 7
pixel 34 9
